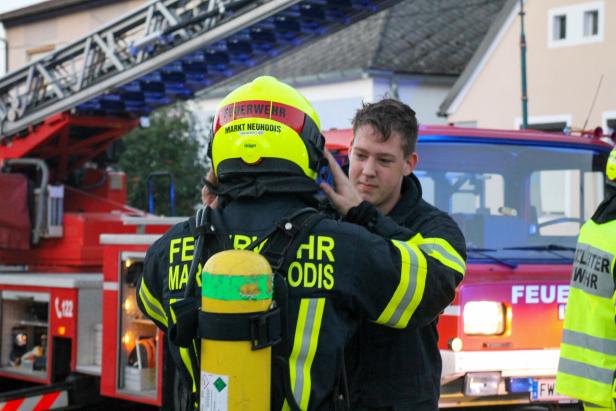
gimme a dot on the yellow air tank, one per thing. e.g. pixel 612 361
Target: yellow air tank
pixel 233 376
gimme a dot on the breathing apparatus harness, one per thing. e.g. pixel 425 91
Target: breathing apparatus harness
pixel 264 329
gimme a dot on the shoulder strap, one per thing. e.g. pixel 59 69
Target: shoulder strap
pixel 203 227
pixel 285 234
pixel 182 329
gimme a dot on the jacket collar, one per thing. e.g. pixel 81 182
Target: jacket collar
pixel 606 211
pixel 410 195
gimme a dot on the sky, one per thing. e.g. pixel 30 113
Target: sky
pixel 9 5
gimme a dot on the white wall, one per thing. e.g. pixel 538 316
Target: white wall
pixel 425 99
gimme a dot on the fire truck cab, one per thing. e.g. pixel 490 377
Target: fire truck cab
pixel 520 198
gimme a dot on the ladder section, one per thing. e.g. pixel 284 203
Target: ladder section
pixel 165 51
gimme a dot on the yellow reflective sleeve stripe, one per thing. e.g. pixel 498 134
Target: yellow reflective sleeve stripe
pixel 441 250
pixel 314 342
pixel 188 364
pixel 305 345
pixel 152 305
pixel 409 292
pixel 297 345
pixel 173 318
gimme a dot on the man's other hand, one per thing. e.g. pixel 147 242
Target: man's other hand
pixel 344 196
pixel 209 199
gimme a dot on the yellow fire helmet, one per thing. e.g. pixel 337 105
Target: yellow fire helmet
pixel 610 168
pixel 266 127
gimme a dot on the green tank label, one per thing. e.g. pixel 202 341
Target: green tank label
pixel 236 287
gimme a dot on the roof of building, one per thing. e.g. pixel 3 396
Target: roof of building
pixel 421 37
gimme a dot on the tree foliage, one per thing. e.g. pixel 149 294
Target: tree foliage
pixel 165 146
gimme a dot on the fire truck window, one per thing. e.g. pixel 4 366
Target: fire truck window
pixel 139 338
pixel 25 327
pixel 556 195
pixel 427 186
pixel 538 195
pixel 594 192
pixel 476 193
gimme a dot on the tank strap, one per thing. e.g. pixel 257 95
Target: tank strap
pixel 261 329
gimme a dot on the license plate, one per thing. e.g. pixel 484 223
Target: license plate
pixel 543 390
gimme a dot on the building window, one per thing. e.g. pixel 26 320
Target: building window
pixel 558 126
pixel 591 23
pixel 560 27
pixel 611 125
pixel 577 24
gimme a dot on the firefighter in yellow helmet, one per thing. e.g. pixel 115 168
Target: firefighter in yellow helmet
pixel 587 365
pixel 266 152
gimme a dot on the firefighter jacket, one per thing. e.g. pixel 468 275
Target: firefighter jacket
pixel 587 365
pixel 402 367
pixel 339 274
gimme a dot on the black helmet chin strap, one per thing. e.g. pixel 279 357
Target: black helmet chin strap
pixel 256 186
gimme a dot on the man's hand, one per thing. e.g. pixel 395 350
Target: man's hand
pixel 345 196
pixel 209 199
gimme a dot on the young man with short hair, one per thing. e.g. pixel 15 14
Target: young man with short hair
pixel 396 369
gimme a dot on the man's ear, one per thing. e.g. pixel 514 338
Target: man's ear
pixel 410 162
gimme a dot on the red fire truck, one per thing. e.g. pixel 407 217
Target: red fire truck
pixel 68 303
pixel 520 198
